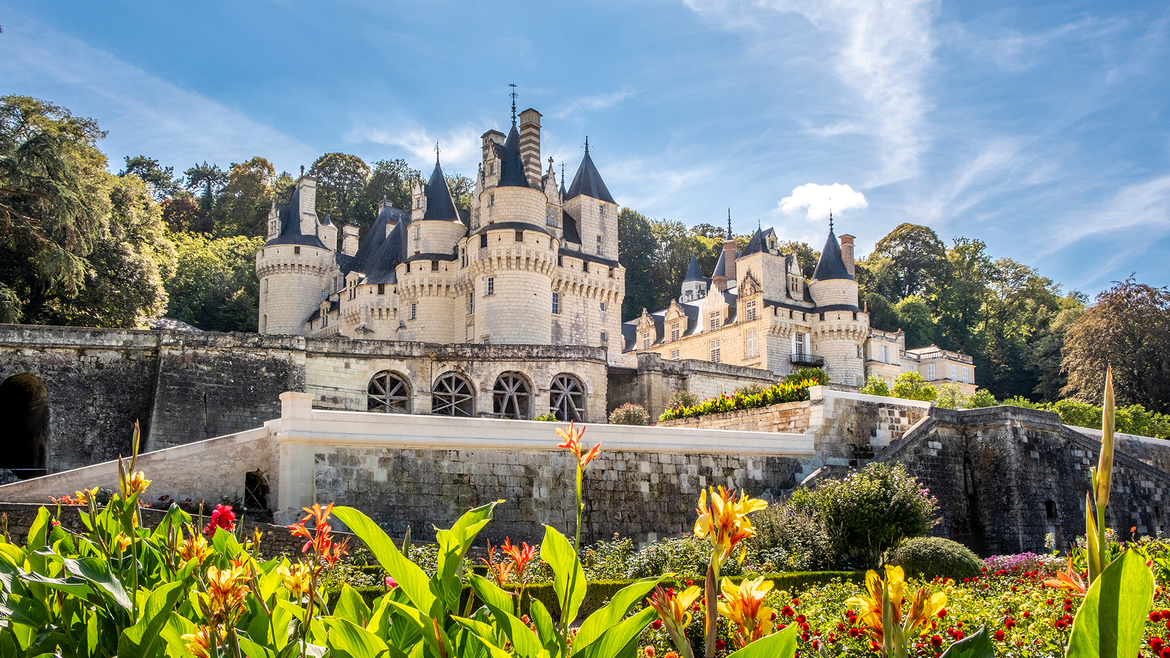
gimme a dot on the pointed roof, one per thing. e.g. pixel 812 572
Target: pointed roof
pixel 512 167
pixel 440 205
pixel 831 265
pixel 720 266
pixel 755 244
pixel 693 272
pixel 290 223
pixel 588 181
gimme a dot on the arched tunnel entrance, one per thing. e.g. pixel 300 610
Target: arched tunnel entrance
pixel 24 425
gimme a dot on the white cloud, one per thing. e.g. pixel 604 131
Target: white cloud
pixel 598 102
pixel 882 50
pixel 458 147
pixel 819 199
pixel 141 112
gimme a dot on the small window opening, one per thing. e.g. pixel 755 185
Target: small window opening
pixel 296 250
pixel 483 241
pixel 255 490
pixel 1050 508
pixel 519 236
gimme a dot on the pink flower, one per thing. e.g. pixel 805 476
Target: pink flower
pixel 221 517
pixel 391 583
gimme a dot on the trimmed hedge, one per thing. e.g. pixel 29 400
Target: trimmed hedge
pixel 781 392
pixel 601 591
pixel 932 557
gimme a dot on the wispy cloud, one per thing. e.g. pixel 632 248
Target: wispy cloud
pixel 143 113
pixel 883 51
pixel 459 147
pixel 598 102
pixel 1141 206
pixel 819 200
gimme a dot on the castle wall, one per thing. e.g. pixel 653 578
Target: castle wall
pixel 291 286
pixel 651 380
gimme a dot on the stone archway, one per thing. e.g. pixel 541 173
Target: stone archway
pixel 24 431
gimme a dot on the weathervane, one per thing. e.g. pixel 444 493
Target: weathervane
pixel 562 172
pixel 513 95
pixel 830 214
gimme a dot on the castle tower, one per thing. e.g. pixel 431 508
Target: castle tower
pixel 694 286
pixel 840 328
pixel 590 204
pixel 297 270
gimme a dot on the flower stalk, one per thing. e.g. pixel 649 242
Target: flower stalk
pixel 1096 539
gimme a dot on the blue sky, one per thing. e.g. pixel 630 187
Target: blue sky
pixel 1039 128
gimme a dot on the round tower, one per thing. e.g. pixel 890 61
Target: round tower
pixel 839 327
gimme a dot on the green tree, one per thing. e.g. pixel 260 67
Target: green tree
pixel 635 252
pixel 244 203
pixel 1017 305
pixel 215 286
pixel 1127 328
pixel 341 179
pixel 950 397
pixel 981 398
pixel 461 188
pixel 1045 352
pixel 914 317
pixel 911 386
pixel 875 386
pixel 917 256
pixel 161 180
pixel 882 314
pixel 805 255
pixel 54 202
pixel 180 213
pixel 208 178
pixel 875 274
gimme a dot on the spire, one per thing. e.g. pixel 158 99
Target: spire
pixel 440 205
pixel 562 180
pixel 729 223
pixel 588 181
pixel 693 272
pixel 513 95
pixel 512 167
pixel 831 265
pixel 586 144
pixel 436 153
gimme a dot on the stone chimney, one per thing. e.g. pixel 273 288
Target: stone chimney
pixel 530 145
pixel 847 252
pixel 349 241
pixel 327 232
pixel 729 255
pixel 306 210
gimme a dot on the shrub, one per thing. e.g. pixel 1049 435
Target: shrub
pixel 789 539
pixel 875 386
pixel 982 398
pixel 550 417
pixel 781 392
pixel 816 374
pixel 933 557
pixel 869 512
pixel 686 556
pixel 911 386
pixel 950 397
pixel 680 399
pixel 749 389
pixel 629 414
pixel 608 560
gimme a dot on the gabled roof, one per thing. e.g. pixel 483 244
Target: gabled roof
pixel 588 181
pixel 290 224
pixel 379 254
pixel 831 265
pixel 440 205
pixel 693 272
pixel 759 242
pixel 511 166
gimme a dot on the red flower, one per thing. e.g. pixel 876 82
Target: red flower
pixel 391 583
pixel 999 635
pixel 787 611
pixel 942 614
pixel 656 624
pixel 1009 623
pixel 936 641
pixel 719 644
pixel 221 517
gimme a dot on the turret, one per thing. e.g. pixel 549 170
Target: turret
pixel 832 284
pixel 694 286
pixel 593 208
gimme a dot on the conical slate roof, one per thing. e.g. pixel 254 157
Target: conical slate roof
pixel 512 167
pixel 831 265
pixel 693 272
pixel 588 181
pixel 720 266
pixel 440 205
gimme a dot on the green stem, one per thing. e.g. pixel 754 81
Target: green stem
pixel 1102 539
pixel 711 592
pixel 576 559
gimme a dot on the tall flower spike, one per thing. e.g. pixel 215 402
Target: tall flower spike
pixel 674 611
pixel 572 443
pixel 1105 463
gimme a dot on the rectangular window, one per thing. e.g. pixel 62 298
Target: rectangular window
pixel 550 217
pixel 556 303
pixel 486 340
pixel 491 286
pixel 799 344
pixel 674 354
pixel 519 236
pixel 930 372
pixel 603 306
pixel 296 250
pixel 600 209
pixel 470 303
pixel 418 233
pixel 714 320
pixel 885 354
pixel 413 311
pixel 381 289
pixel 750 350
pixel 603 337
pixel 954 373
pixel 859 351
pixel 462 257
pixel 714 351
pixel 674 332
pixel 491 199
pixel 483 241
pixel 434 266
pixel 966 376
pixel 599 245
pixel 750 310
pixel 585 266
pixel 645 341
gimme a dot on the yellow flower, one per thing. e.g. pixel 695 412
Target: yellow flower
pixel 923 608
pixel 870 607
pixel 297 579
pixel 226 591
pixel 725 520
pixel 137 483
pixel 194 547
pixel 745 606
pixel 199 644
pixel 122 542
pixel 674 610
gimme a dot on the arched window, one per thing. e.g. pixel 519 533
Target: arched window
pixel 388 393
pixel 452 395
pixel 24 434
pixel 512 397
pixel 567 398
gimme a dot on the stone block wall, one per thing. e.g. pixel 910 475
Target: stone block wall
pixel 652 380
pixel 788 417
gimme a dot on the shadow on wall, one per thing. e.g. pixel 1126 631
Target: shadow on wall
pixel 24 430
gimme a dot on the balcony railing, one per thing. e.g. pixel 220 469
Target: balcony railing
pixel 806 360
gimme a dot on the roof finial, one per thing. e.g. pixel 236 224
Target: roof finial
pixel 586 144
pixel 562 172
pixel 302 171
pixel 436 153
pixel 513 94
pixel 729 223
pixel 830 214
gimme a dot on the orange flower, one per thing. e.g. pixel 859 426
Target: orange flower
pixel 1069 579
pixel 674 611
pixel 297 578
pixel 520 555
pixel 137 483
pixel 122 542
pixel 227 590
pixel 725 520
pixel 499 570
pixel 194 547
pixel 744 605
pixel 572 443
pixel 199 644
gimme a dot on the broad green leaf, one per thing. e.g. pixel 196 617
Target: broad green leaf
pixel 432 635
pixel 351 606
pixel 409 576
pixel 38 534
pixel 559 554
pixel 613 612
pixel 777 645
pixel 453 545
pixel 75 586
pixel 617 637
pixel 497 600
pixel 144 638
pixel 976 645
pixel 96 571
pixel 251 649
pixel 1113 615
pixel 477 636
pixel 545 629
pixel 349 640
pixel 173 631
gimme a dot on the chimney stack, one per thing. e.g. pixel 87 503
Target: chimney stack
pixel 530 145
pixel 847 252
pixel 729 255
pixel 349 242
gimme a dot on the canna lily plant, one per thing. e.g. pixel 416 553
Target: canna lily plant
pixel 880 610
